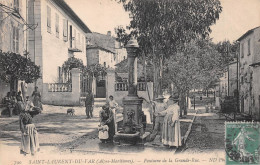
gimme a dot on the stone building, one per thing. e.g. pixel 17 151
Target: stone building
pixel 104 50
pixel 249 72
pixel 232 78
pixel 12 34
pixel 60 34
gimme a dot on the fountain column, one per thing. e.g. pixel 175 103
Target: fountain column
pixel 132 114
pixel 132 103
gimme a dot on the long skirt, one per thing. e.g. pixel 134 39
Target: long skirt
pixel 111 129
pixel 171 135
pixel 30 142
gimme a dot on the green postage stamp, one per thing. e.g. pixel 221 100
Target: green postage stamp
pixel 242 142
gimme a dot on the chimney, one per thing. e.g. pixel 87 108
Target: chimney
pixel 109 33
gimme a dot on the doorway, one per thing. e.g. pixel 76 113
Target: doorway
pixel 101 89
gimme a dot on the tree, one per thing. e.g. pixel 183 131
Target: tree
pixel 163 27
pixel 95 70
pixel 228 51
pixel 16 67
pixel 194 66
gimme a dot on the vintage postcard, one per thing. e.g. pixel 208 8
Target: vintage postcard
pixel 129 82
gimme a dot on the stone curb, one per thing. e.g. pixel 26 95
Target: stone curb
pixel 189 130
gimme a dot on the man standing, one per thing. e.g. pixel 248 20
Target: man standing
pixel 89 103
pixel 159 106
pixel 113 105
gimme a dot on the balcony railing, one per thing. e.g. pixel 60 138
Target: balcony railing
pixel 123 86
pixel 59 87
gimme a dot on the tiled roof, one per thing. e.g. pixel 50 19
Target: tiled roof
pixel 102 40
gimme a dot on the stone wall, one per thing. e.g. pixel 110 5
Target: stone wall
pixel 64 98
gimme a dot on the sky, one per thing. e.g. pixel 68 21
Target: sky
pixel 237 17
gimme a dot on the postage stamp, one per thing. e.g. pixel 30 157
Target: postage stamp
pixel 242 142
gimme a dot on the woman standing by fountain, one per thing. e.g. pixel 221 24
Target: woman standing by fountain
pixel 171 133
pixel 107 118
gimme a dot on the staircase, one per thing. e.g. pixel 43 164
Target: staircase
pixel 99 102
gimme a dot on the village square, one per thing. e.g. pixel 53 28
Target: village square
pixel 129 81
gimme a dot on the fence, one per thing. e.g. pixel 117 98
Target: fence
pixel 59 87
pixel 123 86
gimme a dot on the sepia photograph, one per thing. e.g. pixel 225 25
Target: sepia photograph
pixel 129 82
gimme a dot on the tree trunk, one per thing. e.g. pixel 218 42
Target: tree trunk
pixel 187 103
pixel 183 103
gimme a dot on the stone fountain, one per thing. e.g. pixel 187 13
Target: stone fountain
pixel 132 131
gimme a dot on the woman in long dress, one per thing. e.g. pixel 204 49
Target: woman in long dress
pixel 171 133
pixel 29 141
pixel 107 118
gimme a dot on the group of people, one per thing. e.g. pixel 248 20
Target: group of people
pixel 107 117
pixel 108 125
pixel 15 103
pixel 26 109
pixel 166 121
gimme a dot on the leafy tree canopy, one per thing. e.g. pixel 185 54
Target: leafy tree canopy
pixel 73 62
pixel 14 66
pixel 228 51
pixel 168 24
pixel 196 66
pixel 93 70
pixel 96 70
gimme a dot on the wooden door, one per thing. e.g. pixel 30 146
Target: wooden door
pixel 101 89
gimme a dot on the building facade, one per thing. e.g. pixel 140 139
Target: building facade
pixel 60 34
pixel 249 72
pixel 104 50
pixel 222 89
pixel 12 35
pixel 232 78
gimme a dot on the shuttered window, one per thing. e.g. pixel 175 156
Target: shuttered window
pixel 249 50
pixel 57 25
pixel 15 40
pixel 48 19
pixel 65 30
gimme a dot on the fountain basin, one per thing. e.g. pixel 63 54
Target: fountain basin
pixel 127 138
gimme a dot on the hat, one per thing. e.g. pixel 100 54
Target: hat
pixel 174 98
pixel 160 97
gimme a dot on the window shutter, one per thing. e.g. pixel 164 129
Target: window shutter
pixel 65 30
pixel 48 19
pixel 17 40
pixel 14 31
pixel 57 25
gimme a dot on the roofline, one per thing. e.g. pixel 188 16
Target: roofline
pixel 247 33
pixel 64 6
pixel 99 47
